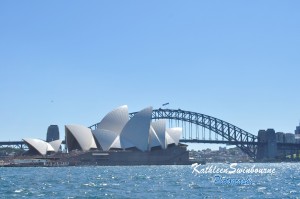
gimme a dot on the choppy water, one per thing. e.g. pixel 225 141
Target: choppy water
pixel 146 182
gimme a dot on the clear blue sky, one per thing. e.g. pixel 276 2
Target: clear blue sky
pixel 71 62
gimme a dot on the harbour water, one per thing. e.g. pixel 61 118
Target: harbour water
pixel 151 182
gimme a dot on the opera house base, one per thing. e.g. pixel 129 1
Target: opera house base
pixel 174 155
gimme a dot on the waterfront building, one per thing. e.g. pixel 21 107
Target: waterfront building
pixel 117 131
pixel 117 140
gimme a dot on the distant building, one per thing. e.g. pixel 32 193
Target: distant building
pixel 280 137
pixel 297 131
pixel 222 149
pixel 297 134
pixel 52 133
pixel 262 136
pixel 290 138
pixel 268 148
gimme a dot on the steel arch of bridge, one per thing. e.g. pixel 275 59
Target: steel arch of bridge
pixel 247 142
pixel 234 135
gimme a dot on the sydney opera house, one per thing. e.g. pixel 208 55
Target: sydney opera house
pixel 117 140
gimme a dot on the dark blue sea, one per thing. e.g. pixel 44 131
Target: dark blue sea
pixel 151 182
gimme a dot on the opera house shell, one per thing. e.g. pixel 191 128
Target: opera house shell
pixel 40 147
pixel 117 131
pixel 79 138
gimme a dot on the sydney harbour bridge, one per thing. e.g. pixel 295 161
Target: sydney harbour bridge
pixel 201 128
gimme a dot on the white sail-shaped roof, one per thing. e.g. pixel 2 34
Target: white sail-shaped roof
pixel 49 147
pixel 159 127
pixel 81 135
pixel 153 138
pixel 40 146
pixel 115 120
pixel 116 143
pixel 56 144
pixel 105 138
pixel 121 144
pixel 136 130
pixel 169 139
pixel 110 127
pixel 174 135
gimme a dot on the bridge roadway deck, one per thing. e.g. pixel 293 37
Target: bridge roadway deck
pixel 7 143
pixel 216 142
pixel 292 145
